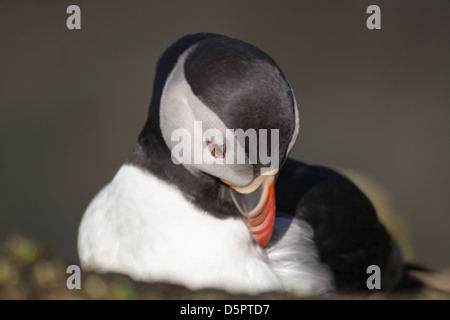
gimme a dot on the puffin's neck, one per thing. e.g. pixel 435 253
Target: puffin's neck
pixel 204 191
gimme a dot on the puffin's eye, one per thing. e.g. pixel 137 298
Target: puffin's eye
pixel 217 150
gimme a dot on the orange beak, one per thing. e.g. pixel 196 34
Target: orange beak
pixel 256 202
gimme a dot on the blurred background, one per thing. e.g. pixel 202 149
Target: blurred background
pixel 374 104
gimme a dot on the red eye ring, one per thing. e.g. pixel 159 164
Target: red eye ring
pixel 214 153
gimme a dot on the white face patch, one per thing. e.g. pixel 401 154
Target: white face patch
pixel 297 123
pixel 184 116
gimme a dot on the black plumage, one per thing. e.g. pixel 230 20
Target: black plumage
pixel 347 232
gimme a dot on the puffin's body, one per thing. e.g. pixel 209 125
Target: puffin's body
pixel 163 218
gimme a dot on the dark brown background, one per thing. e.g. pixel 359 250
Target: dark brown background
pixel 374 102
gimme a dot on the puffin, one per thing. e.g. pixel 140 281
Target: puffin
pixel 195 204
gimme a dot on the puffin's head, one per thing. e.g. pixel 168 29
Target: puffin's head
pixel 225 109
